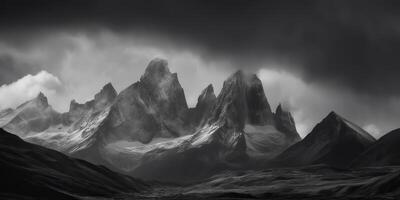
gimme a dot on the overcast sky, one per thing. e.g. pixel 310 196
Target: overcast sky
pixel 313 56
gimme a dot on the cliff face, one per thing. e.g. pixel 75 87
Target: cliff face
pixel 155 106
pixel 240 130
pixel 199 115
pixel 284 122
pixel 242 101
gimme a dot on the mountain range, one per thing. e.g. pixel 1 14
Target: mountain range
pixel 148 131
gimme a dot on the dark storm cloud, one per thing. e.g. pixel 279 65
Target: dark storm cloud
pixel 353 44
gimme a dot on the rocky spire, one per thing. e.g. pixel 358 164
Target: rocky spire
pixel 206 97
pixel 41 100
pixel 284 122
pixel 105 96
pixel 156 71
pixel 155 106
pixel 242 100
pixel 202 111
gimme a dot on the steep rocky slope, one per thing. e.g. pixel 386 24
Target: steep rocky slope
pixel 203 109
pixel 155 106
pixel 334 141
pixel 30 171
pixel 384 152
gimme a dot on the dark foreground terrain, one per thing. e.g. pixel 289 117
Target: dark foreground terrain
pixel 314 182
pixel 29 171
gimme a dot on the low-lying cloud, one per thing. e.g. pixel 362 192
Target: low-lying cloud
pixel 28 87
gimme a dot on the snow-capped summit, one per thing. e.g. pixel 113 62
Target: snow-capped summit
pixel 334 141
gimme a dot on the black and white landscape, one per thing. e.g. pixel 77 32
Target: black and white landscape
pixel 199 100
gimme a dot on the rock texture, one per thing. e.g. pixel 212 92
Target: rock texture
pixel 205 102
pixel 79 113
pixel 240 129
pixel 155 106
pixel 285 123
pixel 148 129
pixel 384 152
pixel 334 141
pixel 242 101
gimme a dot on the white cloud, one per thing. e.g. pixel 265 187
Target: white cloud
pixel 28 87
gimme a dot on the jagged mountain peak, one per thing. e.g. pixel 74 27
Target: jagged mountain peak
pixel 238 78
pixel 334 116
pixel 106 94
pixel 336 121
pixel 105 97
pixel 334 141
pixel 282 110
pixel 209 89
pixel 241 77
pixel 198 115
pixel 333 119
pixel 41 100
pixel 284 122
pixel 242 100
pixel 156 70
pixel 384 152
pixel 155 106
pixel 206 95
pixel 279 108
pixel 108 89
